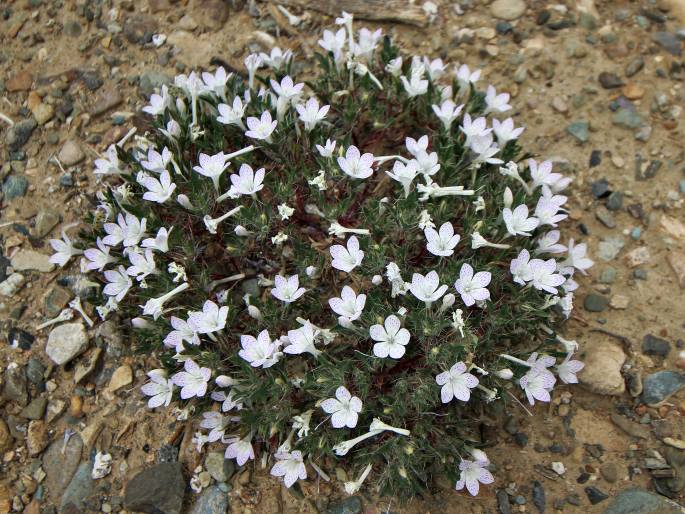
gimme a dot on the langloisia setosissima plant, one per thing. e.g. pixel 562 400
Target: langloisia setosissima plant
pixel 347 271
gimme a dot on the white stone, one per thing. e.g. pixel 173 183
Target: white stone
pixel 11 284
pixel 31 260
pixel 602 372
pixel 66 342
pixel 508 9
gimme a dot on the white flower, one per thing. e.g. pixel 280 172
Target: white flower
pixel 302 341
pixel 279 239
pixel 286 89
pixel 350 305
pixel 192 381
pixel 356 165
pixel 287 289
pixel 472 474
pixel 441 243
pixel 252 62
pixel 333 42
pixel 158 103
pixel 366 43
pixel 517 221
pixel 327 149
pixel 239 449
pixel 485 149
pixel 159 388
pixel 261 128
pixel 544 276
pixel 537 385
pixel 399 286
pixel 520 268
pixel 344 408
pixel 99 257
pixel 505 131
pixel 159 191
pixel 566 303
pixel 472 287
pixel 577 257
pixel 416 85
pixel 425 220
pixel 247 181
pixel 118 283
pixel 129 230
pixel 172 131
pixel 228 402
pixel 311 114
pixel 232 115
pixel 277 59
pixel 285 211
pixel 495 102
pixel 427 163
pixel 109 165
pixel 394 67
pixel 216 82
pixel 404 174
pixel 456 383
pixel 154 306
pixel 64 250
pixel 183 331
pixel 465 77
pixel 142 264
pixel 435 68
pixel 474 128
pixel 346 259
pixel 542 174
pixel 212 318
pixel 216 423
pixel 427 288
pixel 414 146
pixel 547 211
pixel 212 166
pixel 160 241
pixel 157 162
pixel 447 112
pixel 392 338
pixel 212 224
pixel 290 467
pixel 548 243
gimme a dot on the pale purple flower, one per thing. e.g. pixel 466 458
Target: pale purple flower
pixel 344 408
pixel 472 474
pixel 347 258
pixel 547 211
pixel 495 102
pixel 427 288
pixel 216 423
pixel 160 242
pixel 158 190
pixel 157 162
pixel 277 59
pixel 456 383
pixel 212 318
pixel 544 275
pixel 537 385
pixel 302 340
pixel 441 243
pixel 520 268
pixel 366 43
pixel 99 257
pixel 311 114
pixel 435 68
pixel 258 351
pixel 542 174
pixel 517 221
pixel 356 165
pixel 505 131
pixel 261 128
pixel 416 85
pixel 474 128
pixel 216 82
pixel 158 103
pixel 287 289
pixel 465 77
pixel 327 149
pixel 427 163
pixel 109 165
pixel 142 264
pixel 577 257
pixel 549 243
pixel 212 166
pixel 232 115
pixel 404 174
pixel 128 230
pixel 485 149
pixel 447 112
pixel 333 42
pixel 392 338
pixel 247 181
pixel 118 283
pixel 228 403
pixel 286 88
pixel 416 146
pixel 239 449
pixel 350 305
pixel 472 288
pixel 252 62
pixel 289 466
pixel 159 388
pixel 172 130
pixel 64 250
pixel 192 381
pixel 183 331
pixel 568 368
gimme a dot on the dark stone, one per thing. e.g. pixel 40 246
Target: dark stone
pixel 583 477
pixel 609 80
pixel 595 158
pixel 511 425
pixel 167 453
pixel 573 499
pixel 639 501
pixel 16 388
pixel 78 490
pixel 649 172
pixel 92 80
pixel 659 386
pixel 15 186
pixel 35 409
pixel 211 501
pixel 20 133
pixel 351 505
pixel 60 462
pixel 20 339
pixel 653 345
pixel 503 505
pixel 521 439
pixel 600 188
pixel 605 217
pixel 595 495
pixel 504 27
pixel 634 66
pixel 595 302
pixel 72 28
pixel 140 28
pixel 156 490
pixel 669 42
pixel 539 497
pixel 615 201
pixel 35 371
pixel 543 17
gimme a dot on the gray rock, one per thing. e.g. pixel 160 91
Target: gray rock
pixel 20 133
pixel 503 503
pixel 31 260
pixel 643 133
pixel 55 300
pixel 46 220
pixel 602 372
pixel 653 345
pixel 609 248
pixel 156 490
pixel 70 153
pixel 639 501
pixel 659 386
pixel 219 467
pixel 580 130
pixel 15 186
pixel 605 217
pixel 595 302
pixel 615 201
pixel 609 80
pixel 669 42
pixel 508 9
pixel 351 505
pixel 72 28
pixel 16 389
pixel 151 81
pixel 627 118
pixel 634 66
pixel 66 342
pixel 608 276
pixel 212 501
pixel 78 490
pixel 35 371
pixel 108 98
pixel 539 499
pixel 60 462
pixel 35 409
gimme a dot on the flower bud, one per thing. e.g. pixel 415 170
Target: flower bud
pixel 310 271
pixel 180 105
pixel 241 231
pixel 479 455
pixel 254 312
pixel 140 323
pixel 505 373
pixel 402 311
pixel 447 302
pixel 508 198
pixel 377 280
